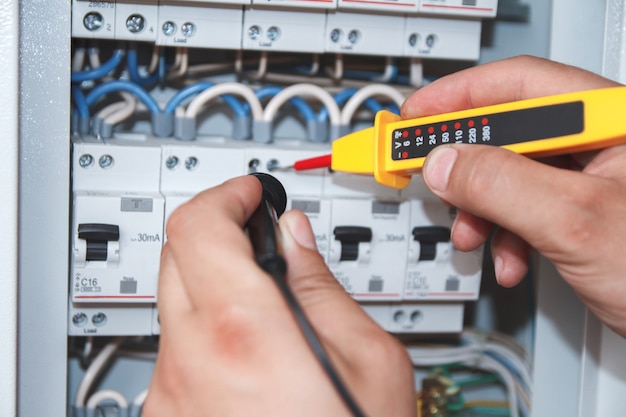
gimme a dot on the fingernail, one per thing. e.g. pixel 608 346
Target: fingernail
pixel 498 266
pixel 438 167
pixel 296 229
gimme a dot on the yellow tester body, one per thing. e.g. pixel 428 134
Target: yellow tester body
pixel 394 149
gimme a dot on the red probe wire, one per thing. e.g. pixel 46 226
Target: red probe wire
pixel 323 161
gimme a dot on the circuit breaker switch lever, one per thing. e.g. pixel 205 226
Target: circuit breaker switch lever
pixel 350 237
pixel 428 237
pixel 97 237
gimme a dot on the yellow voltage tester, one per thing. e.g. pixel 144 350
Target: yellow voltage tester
pixel 394 149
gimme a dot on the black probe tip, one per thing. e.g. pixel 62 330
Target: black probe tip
pixel 273 192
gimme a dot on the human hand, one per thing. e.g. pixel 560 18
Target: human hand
pixel 574 217
pixel 229 345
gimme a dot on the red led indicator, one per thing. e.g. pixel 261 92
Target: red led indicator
pixel 405 134
pixel 457 125
pixel 431 130
pixel 405 155
pixel 484 121
pixel 444 128
pixel 418 132
pixel 470 123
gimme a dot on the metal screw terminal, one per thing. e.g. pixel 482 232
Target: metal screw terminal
pixel 254 32
pixel 191 163
pixel 273 33
pixel 171 162
pixel 253 165
pixel 105 161
pixel 93 21
pixel 79 319
pixel 430 40
pixel 99 319
pixel 335 35
pixel 188 29
pixel 85 161
pixel 273 165
pixel 353 36
pixel 413 39
pixel 135 23
pixel 169 28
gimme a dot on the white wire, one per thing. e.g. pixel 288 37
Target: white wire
pixel 137 403
pixel 106 394
pixel 336 73
pixel 226 88
pixel 416 73
pixel 94 58
pixel 334 114
pixel 515 361
pixel 315 65
pixel 98 364
pixel 181 63
pixel 389 70
pixel 262 70
pixel 123 113
pixel 78 60
pixel 492 365
pixel 154 61
pixel 363 94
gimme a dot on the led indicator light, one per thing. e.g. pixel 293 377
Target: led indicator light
pixel 470 123
pixel 405 154
pixel 405 134
pixel 485 121
pixel 431 130
pixel 444 128
pixel 418 132
pixel 457 125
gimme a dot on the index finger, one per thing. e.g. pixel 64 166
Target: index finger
pixel 512 79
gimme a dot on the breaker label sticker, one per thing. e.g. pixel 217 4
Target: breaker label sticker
pixel 85 284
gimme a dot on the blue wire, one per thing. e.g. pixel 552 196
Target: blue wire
pixel 101 71
pixel 133 70
pixel 270 90
pixel 238 108
pixel 343 96
pixel 113 86
pixel 81 102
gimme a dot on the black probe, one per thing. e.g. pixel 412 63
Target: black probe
pixel 264 236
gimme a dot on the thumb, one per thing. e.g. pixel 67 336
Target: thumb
pixel 542 204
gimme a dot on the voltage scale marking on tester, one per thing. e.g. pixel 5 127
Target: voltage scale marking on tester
pixel 394 149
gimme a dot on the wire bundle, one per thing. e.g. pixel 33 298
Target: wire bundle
pixel 490 352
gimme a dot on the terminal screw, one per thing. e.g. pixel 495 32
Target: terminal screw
pixel 413 39
pixel 353 36
pixel 191 163
pixel 99 319
pixel 273 33
pixel 106 161
pixel 171 162
pixel 254 32
pixel 135 23
pixel 335 35
pixel 93 21
pixel 188 29
pixel 85 160
pixel 169 28
pixel 79 319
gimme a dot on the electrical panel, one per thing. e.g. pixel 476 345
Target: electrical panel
pixel 390 252
pixel 173 97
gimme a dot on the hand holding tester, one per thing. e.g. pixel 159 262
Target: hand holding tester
pixel 394 149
